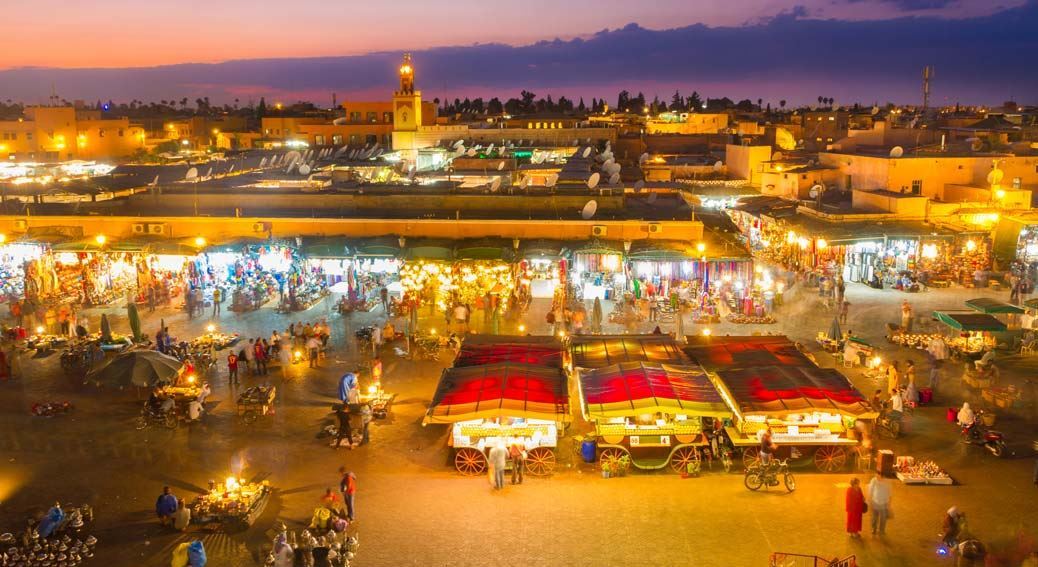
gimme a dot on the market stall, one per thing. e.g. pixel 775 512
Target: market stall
pixel 972 332
pixel 501 403
pixel 1005 312
pixel 255 270
pixel 811 411
pixel 376 263
pixel 654 415
pixel 13 259
pixel 600 351
pixel 598 270
pixel 543 267
pixel 233 505
pixel 910 471
pixel 478 350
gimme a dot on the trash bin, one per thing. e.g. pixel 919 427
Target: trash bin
pixel 588 450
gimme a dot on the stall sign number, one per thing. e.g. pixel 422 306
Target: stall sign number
pixel 650 440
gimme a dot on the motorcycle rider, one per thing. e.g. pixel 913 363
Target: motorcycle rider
pixel 966 417
pixel 767 447
pixel 953 526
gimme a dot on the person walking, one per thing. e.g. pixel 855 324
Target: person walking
pixel 517 452
pixel 151 298
pixel 906 316
pixel 232 369
pixel 250 357
pixel 376 342
pixel 893 377
pixel 496 458
pixel 166 506
pixel 313 347
pixel 285 358
pixel 879 503
pixel 217 298
pixel 845 308
pixel 344 431
pixel 260 355
pixel 855 507
pixel 348 487
pixel 383 294
pixel 365 423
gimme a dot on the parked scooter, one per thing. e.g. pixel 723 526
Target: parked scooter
pixel 978 434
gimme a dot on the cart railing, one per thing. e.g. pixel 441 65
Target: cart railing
pixel 799 560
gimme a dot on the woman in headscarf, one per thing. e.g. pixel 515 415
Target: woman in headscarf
pixel 966 416
pixel 855 507
pixel 283 554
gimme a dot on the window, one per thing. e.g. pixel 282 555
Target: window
pixel 387 117
pixel 337 139
pixel 529 126
pixel 354 117
pixel 917 186
pixel 354 139
pixel 1017 182
pixel 100 133
pixel 804 176
pixel 318 140
pixel 372 117
pixel 28 135
pixel 120 132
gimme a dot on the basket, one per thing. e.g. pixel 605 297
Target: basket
pixel 988 419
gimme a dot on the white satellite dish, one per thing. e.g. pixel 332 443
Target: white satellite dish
pixel 639 185
pixel 293 156
pixel 230 169
pixel 490 148
pixel 459 143
pixel 500 165
pixel 614 179
pixel 897 151
pixel 291 166
pixel 643 158
pixel 379 152
pixel 976 144
pixel 341 121
pixel 592 181
pixel 995 176
pixel 263 163
pixel 524 182
pixel 589 210
pixel 495 185
pixel 777 156
pixel 586 152
pixel 209 173
pixel 304 169
pixel 191 173
pixel 815 191
pixel 608 163
pixel 718 165
pixel 614 169
pixel 608 154
pixel 551 180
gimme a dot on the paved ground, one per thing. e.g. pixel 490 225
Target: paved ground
pixel 413 510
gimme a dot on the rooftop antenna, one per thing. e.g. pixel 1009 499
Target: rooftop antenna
pixel 927 75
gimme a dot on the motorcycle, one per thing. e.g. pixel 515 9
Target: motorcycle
pixel 50 409
pixel 151 416
pixel 766 475
pixel 978 434
pixel 887 426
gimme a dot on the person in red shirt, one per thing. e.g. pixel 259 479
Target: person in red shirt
pixel 855 507
pixel 232 368
pixel 261 357
pixel 348 486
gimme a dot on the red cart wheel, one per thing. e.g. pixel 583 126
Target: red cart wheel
pixel 609 456
pixel 470 462
pixel 540 461
pixel 750 457
pixel 680 459
pixel 830 459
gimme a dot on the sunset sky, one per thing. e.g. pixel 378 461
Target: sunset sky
pixel 120 34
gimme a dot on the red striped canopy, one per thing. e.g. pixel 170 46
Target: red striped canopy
pixel 716 353
pixel 537 355
pixel 634 388
pixel 499 391
pixel 600 351
pixel 794 389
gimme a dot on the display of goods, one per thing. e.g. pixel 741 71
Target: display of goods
pixel 257 394
pixel 911 471
pixel 914 340
pixel 751 319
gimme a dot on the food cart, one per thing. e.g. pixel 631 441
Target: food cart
pixel 255 402
pixel 767 382
pixel 233 505
pixel 972 333
pixel 653 414
pixel 501 403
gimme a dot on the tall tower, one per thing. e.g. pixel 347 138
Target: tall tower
pixel 927 75
pixel 407 102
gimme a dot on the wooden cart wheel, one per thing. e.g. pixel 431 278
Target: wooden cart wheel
pixel 609 456
pixel 681 458
pixel 249 417
pixel 750 457
pixel 469 461
pixel 540 461
pixel 830 459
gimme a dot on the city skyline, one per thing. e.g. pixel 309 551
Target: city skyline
pixel 770 57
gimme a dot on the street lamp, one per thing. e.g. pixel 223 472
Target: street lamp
pixel 101 239
pixel 199 241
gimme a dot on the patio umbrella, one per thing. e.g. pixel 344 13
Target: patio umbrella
pixel 835 334
pixel 143 368
pixel 106 329
pixel 596 316
pixel 135 321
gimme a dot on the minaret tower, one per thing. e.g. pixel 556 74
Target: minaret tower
pixel 407 112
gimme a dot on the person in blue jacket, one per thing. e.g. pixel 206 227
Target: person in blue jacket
pixel 166 506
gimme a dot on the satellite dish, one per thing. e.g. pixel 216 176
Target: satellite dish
pixel 613 168
pixel 459 143
pixel 607 154
pixel 777 156
pixel 230 169
pixel 639 185
pixel 500 165
pixel 897 151
pixel 551 180
pixel 291 166
pixel 592 181
pixel 209 173
pixel 587 140
pixel 586 152
pixel 608 163
pixel 495 185
pixel 341 121
pixel 263 162
pixel 976 144
pixel 524 182
pixel 816 191
pixel 652 198
pixel 191 173
pixel 293 156
pixel 589 210
pixel 614 179
pixel 304 169
pixel 718 165
pixel 155 182
pixel 643 158
pixel 995 176
pixel 490 148
pixel 875 110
